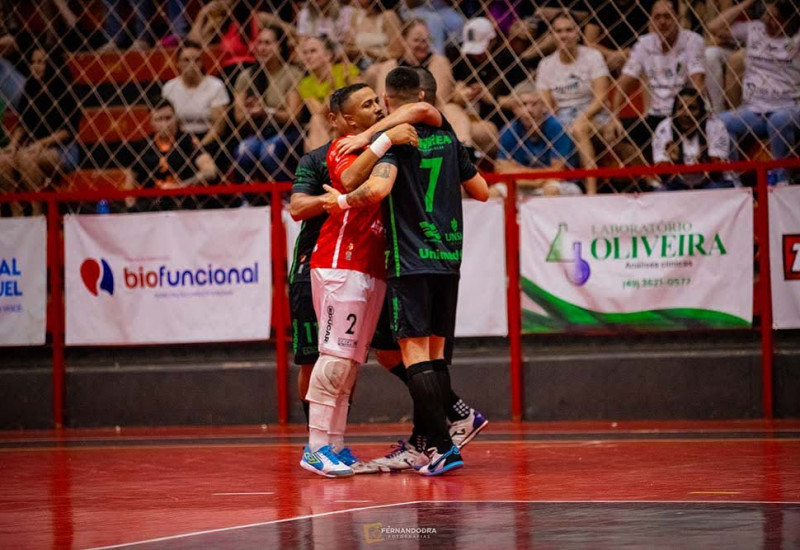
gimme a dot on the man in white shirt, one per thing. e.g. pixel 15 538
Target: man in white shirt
pixel 771 88
pixel 199 100
pixel 666 60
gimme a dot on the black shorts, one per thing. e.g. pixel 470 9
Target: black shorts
pixel 423 305
pixel 304 323
pixel 383 339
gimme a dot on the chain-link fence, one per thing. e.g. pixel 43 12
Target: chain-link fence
pixel 139 93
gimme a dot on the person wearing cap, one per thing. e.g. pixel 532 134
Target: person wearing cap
pixel 474 111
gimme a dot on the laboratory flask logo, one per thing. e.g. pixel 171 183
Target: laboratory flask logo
pixel 569 254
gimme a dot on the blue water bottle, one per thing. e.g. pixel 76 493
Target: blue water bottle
pixel 103 207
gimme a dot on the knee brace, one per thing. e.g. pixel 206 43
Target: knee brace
pixel 331 377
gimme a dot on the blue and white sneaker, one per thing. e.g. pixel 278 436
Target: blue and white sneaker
pixel 347 458
pixel 324 462
pixel 462 431
pixel 442 463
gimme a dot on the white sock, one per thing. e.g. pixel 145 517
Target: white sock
pixel 319 424
pixel 339 422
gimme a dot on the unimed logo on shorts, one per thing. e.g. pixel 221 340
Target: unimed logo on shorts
pixel 328 324
pixel 791 257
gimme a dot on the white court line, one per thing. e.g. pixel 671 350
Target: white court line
pixel 377 506
pixel 259 524
pixel 256 493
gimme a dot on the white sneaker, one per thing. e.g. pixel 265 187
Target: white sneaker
pixel 324 462
pixel 462 431
pixel 402 457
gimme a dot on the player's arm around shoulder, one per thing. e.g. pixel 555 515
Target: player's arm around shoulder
pixel 373 191
pixel 477 188
pixel 360 170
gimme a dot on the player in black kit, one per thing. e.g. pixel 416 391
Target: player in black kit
pixel 423 216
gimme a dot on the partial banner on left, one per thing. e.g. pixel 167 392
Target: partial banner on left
pixel 168 277
pixel 23 281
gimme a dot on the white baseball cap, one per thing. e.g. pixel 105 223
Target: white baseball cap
pixel 477 35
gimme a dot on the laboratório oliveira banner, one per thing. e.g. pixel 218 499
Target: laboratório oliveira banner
pixel 656 261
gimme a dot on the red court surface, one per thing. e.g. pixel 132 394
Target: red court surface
pixel 555 485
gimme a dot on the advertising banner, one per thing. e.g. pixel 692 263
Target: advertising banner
pixel 784 247
pixel 168 277
pixel 482 292
pixel 23 281
pixel 657 261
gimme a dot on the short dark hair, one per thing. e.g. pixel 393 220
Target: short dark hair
pixel 340 96
pixel 427 83
pixel 189 45
pixel 163 103
pixel 403 83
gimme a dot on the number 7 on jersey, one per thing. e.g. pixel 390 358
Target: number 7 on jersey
pixel 435 167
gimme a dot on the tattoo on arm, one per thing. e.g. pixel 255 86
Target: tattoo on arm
pixel 381 171
pixel 365 195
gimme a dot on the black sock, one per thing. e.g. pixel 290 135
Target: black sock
pixel 305 409
pixel 399 370
pixel 423 384
pixel 453 406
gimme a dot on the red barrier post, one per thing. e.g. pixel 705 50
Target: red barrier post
pixel 56 309
pixel 281 308
pixel 765 290
pixel 514 301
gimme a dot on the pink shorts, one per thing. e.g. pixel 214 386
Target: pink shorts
pixel 348 304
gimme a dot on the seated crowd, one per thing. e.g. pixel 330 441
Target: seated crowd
pixel 527 86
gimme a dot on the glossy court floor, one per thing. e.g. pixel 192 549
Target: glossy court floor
pixel 558 485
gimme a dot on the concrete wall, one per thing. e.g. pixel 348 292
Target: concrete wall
pixel 636 377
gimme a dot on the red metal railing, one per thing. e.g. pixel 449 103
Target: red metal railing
pixel 280 315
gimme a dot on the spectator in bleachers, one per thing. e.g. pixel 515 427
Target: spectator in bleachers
pixel 416 53
pixel 170 158
pixel 43 145
pixel 474 110
pixel 234 25
pixel 325 17
pixel 374 34
pixel 443 21
pixel 536 141
pixel 266 107
pixel 667 59
pixel 615 26
pixel 691 136
pixel 199 100
pixel 12 81
pixel 771 90
pixel 323 76
pixel 724 62
pixel 574 84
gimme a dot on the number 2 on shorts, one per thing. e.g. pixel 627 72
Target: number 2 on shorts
pixel 435 167
pixel 352 318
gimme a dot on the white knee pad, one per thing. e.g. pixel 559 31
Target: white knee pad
pixel 331 377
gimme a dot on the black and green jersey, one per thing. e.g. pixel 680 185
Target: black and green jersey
pixel 310 176
pixel 423 213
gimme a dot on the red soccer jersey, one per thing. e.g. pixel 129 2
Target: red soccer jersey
pixel 353 239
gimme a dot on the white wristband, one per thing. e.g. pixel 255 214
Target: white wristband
pixel 342 201
pixel 381 145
